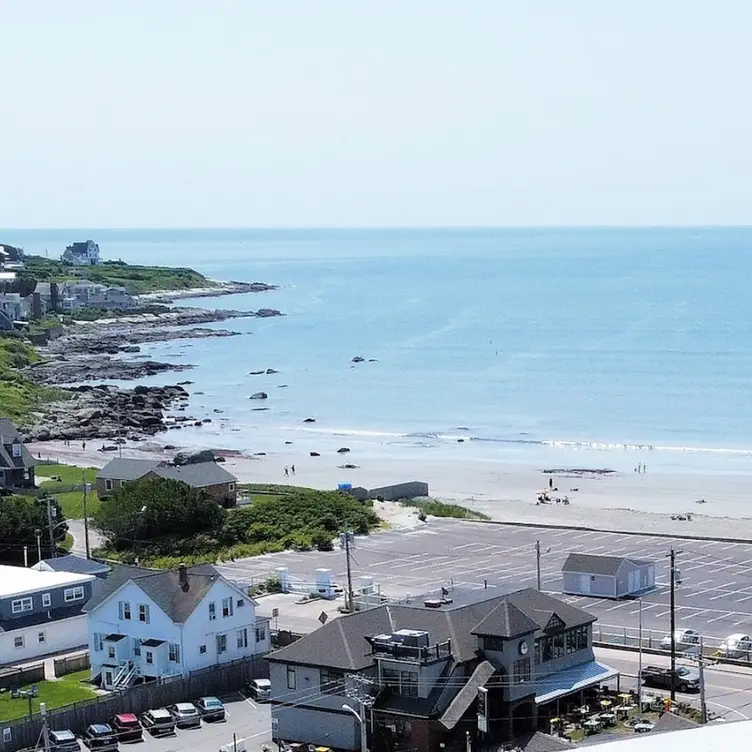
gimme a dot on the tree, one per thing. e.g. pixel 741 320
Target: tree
pixel 20 518
pixel 152 508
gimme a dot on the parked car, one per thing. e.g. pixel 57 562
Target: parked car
pixel 158 721
pixel 211 708
pixel 101 737
pixel 686 679
pixel 64 741
pixel 687 641
pixel 736 646
pixel 185 714
pixel 261 689
pixel 127 727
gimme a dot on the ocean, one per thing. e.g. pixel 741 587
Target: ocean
pixel 564 347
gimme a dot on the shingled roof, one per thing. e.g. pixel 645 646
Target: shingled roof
pixel 126 469
pixel 9 435
pixel 342 643
pixel 163 587
pixel 197 475
pixel 595 564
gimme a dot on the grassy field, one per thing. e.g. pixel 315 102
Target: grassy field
pixel 135 279
pixel 18 395
pixel 64 691
pixel 440 509
pixel 72 502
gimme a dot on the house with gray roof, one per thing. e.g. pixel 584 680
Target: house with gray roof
pixel 493 662
pixel 16 463
pixel 607 576
pixel 150 624
pixel 220 484
pixel 73 564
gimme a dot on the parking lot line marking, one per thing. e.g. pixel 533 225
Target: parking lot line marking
pixel 724 615
pixel 619 605
pixel 248 700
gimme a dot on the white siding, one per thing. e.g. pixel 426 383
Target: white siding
pixel 59 635
pixel 200 630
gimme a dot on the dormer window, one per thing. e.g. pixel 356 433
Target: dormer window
pixel 16 450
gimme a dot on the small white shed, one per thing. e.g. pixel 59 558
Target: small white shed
pixel 607 576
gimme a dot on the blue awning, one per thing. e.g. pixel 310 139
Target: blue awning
pixel 557 685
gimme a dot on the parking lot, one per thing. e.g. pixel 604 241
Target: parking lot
pixel 249 721
pixel 714 597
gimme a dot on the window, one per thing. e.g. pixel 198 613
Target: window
pixel 149 657
pixel 409 683
pixel 41 638
pixel 292 678
pixel 21 605
pixel 7 735
pixel 221 644
pixel 98 642
pixel 558 645
pixel 493 643
pixel 390 678
pixel 111 652
pixel 226 607
pixel 16 450
pixel 136 646
pixel 230 486
pixel 73 594
pixel 331 681
pixel 174 652
pixel 108 484
pixel 240 603
pixel 143 612
pixel 212 611
pixel 19 642
pixel 571 640
pixel 46 600
pixel 242 635
pixel 124 611
pixel 260 634
pixel 202 649
pixel 521 671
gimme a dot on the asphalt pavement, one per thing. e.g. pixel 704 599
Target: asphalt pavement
pixel 714 597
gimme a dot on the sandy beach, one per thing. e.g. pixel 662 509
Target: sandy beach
pixel 505 492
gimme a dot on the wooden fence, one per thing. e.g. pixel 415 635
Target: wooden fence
pixel 17 677
pixel 69 664
pixel 215 680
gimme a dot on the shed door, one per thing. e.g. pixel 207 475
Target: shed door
pixel 634 580
pixel 584 583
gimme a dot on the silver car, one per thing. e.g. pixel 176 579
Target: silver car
pixel 261 690
pixel 736 646
pixel 186 715
pixel 687 641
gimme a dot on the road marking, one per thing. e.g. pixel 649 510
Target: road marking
pixel 724 615
pixel 249 701
pixel 728 709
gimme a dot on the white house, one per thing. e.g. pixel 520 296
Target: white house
pixel 41 612
pixel 82 254
pixel 150 623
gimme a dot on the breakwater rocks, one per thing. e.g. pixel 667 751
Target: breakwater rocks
pixel 65 370
pixel 108 412
pixel 219 288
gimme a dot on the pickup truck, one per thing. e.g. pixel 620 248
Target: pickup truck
pixel 686 679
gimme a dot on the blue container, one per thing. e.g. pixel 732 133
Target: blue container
pixel 344 487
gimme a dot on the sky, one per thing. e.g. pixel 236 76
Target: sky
pixel 397 113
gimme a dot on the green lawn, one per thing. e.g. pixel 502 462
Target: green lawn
pixel 64 691
pixel 72 502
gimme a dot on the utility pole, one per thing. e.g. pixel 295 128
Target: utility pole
pixel 39 544
pixel 537 562
pixel 49 524
pixel 639 664
pixel 26 556
pixel 349 572
pixel 86 516
pixel 672 557
pixel 701 669
pixel 359 690
pixel 45 726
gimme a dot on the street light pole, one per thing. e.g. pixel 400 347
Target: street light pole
pixel 639 665
pixel 537 562
pixel 361 716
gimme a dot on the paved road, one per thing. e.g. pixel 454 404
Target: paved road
pixel 715 596
pixel 76 529
pixel 728 689
pixel 251 723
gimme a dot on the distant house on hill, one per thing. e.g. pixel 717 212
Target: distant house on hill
pixel 86 294
pixel 208 476
pixel 16 462
pixel 82 254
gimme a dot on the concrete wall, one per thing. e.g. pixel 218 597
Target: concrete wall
pixel 411 490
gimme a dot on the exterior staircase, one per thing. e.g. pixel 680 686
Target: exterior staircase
pixel 126 676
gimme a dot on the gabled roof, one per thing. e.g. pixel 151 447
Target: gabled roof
pixel 595 564
pixel 72 563
pixel 342 643
pixel 197 475
pixel 125 469
pixel 506 620
pixel 9 435
pixel 162 587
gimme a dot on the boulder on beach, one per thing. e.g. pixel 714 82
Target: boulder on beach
pixel 193 458
pixel 259 395
pixel 358 359
pixel 343 450
pixel 270 371
pixel 309 420
pixel 314 454
pixel 184 383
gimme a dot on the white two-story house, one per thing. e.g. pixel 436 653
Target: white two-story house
pixel 148 623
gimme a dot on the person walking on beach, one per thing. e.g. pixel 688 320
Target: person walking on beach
pixel 287 472
pixel 292 467
pixel 83 445
pixel 551 482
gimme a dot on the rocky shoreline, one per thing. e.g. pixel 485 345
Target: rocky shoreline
pixel 216 290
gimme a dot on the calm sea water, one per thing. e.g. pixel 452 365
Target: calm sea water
pixel 590 340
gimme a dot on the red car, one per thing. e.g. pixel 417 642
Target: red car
pixel 127 727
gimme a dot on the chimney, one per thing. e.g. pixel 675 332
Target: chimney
pixel 183 576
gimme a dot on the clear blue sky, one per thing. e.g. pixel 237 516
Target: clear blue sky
pixel 162 113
